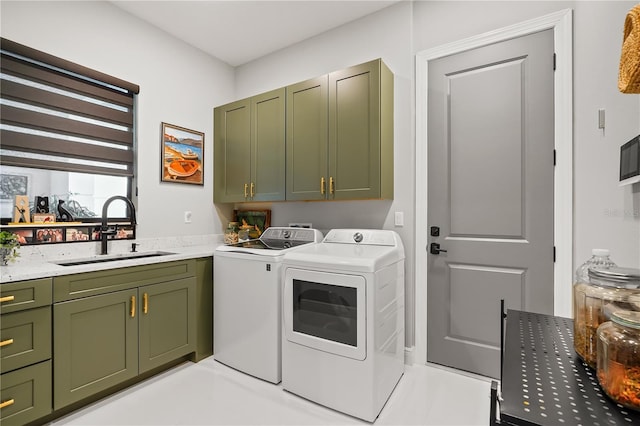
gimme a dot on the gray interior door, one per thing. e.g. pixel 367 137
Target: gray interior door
pixel 490 193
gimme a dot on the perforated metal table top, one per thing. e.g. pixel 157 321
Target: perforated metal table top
pixel 544 382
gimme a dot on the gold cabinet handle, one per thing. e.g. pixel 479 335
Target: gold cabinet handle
pixel 331 185
pixel 145 303
pixel 6 342
pixel 245 190
pixel 322 185
pixel 7 298
pixel 253 187
pixel 7 403
pixel 133 306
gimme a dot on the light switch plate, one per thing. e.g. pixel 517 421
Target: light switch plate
pixel 399 219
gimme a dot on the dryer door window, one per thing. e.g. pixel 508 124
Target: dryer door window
pixel 326 311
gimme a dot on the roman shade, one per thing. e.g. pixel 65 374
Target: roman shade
pixel 58 115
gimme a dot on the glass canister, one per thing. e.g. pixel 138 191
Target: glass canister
pixel 231 233
pixel 619 358
pixel 600 258
pixel 607 290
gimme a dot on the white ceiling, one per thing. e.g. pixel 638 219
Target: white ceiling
pixel 240 31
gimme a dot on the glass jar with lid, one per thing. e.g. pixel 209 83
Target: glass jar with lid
pixel 618 366
pixel 231 233
pixel 606 291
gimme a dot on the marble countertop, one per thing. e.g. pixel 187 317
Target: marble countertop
pixel 40 262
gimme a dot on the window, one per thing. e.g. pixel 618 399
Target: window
pixel 67 132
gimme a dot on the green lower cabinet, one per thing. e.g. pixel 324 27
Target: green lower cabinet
pixel 95 344
pixel 101 341
pixel 25 394
pixel 167 322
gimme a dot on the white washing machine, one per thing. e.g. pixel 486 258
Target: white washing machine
pixel 247 300
pixel 343 323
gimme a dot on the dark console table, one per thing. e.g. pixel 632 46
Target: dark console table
pixel 544 382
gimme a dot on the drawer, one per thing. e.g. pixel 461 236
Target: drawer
pixel 25 338
pixel 25 394
pixel 21 295
pixel 68 287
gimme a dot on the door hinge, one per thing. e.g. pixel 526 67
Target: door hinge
pixel 554 61
pixel 554 254
pixel 554 157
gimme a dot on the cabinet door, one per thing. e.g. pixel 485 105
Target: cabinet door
pixel 267 146
pixel 307 130
pixel 167 322
pixel 95 344
pixel 232 151
pixel 354 132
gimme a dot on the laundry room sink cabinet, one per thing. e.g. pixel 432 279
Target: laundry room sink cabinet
pixel 340 135
pixel 249 149
pixel 111 326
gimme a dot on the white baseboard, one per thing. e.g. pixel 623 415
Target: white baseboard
pixel 409 355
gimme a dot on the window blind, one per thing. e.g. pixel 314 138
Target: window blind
pixel 58 115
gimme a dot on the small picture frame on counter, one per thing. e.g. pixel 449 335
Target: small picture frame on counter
pixel 44 218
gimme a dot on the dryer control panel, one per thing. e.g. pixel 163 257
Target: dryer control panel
pixel 373 237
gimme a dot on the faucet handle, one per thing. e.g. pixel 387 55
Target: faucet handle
pixel 133 247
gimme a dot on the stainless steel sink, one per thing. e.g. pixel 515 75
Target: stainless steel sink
pixel 102 259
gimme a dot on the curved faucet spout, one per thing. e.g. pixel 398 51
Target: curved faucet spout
pixel 104 230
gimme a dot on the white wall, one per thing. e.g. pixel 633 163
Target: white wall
pixel 178 84
pixel 100 36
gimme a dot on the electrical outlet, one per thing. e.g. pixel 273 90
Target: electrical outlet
pixel 187 217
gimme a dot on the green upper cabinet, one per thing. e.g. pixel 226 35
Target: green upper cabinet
pixel 250 149
pixel 340 135
pixel 339 140
pixel 361 132
pixel 232 151
pixel 307 139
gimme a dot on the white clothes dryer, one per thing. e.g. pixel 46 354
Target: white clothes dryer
pixel 343 324
pixel 247 300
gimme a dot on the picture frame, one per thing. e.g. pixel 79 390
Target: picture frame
pixel 12 185
pixel 44 218
pixel 182 155
pixel 258 219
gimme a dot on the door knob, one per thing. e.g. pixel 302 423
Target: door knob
pixel 434 248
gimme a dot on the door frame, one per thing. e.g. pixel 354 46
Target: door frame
pixel 561 23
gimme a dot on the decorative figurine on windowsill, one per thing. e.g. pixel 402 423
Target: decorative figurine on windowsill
pixel 21 212
pixel 63 214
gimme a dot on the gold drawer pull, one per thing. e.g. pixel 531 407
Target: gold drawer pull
pixel 7 403
pixel 133 306
pixel 331 185
pixel 7 299
pixel 246 186
pixel 145 303
pixel 6 342
pixel 322 185
pixel 253 189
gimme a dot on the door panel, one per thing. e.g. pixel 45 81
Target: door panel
pixel 232 151
pixel 267 154
pixel 306 135
pixel 354 131
pixel 477 190
pixel 490 183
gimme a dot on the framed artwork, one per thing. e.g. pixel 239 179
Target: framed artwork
pixel 259 220
pixel 12 185
pixel 182 155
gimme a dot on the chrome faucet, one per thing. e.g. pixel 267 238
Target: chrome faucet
pixel 104 229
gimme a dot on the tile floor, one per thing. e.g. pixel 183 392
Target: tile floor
pixel 209 393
